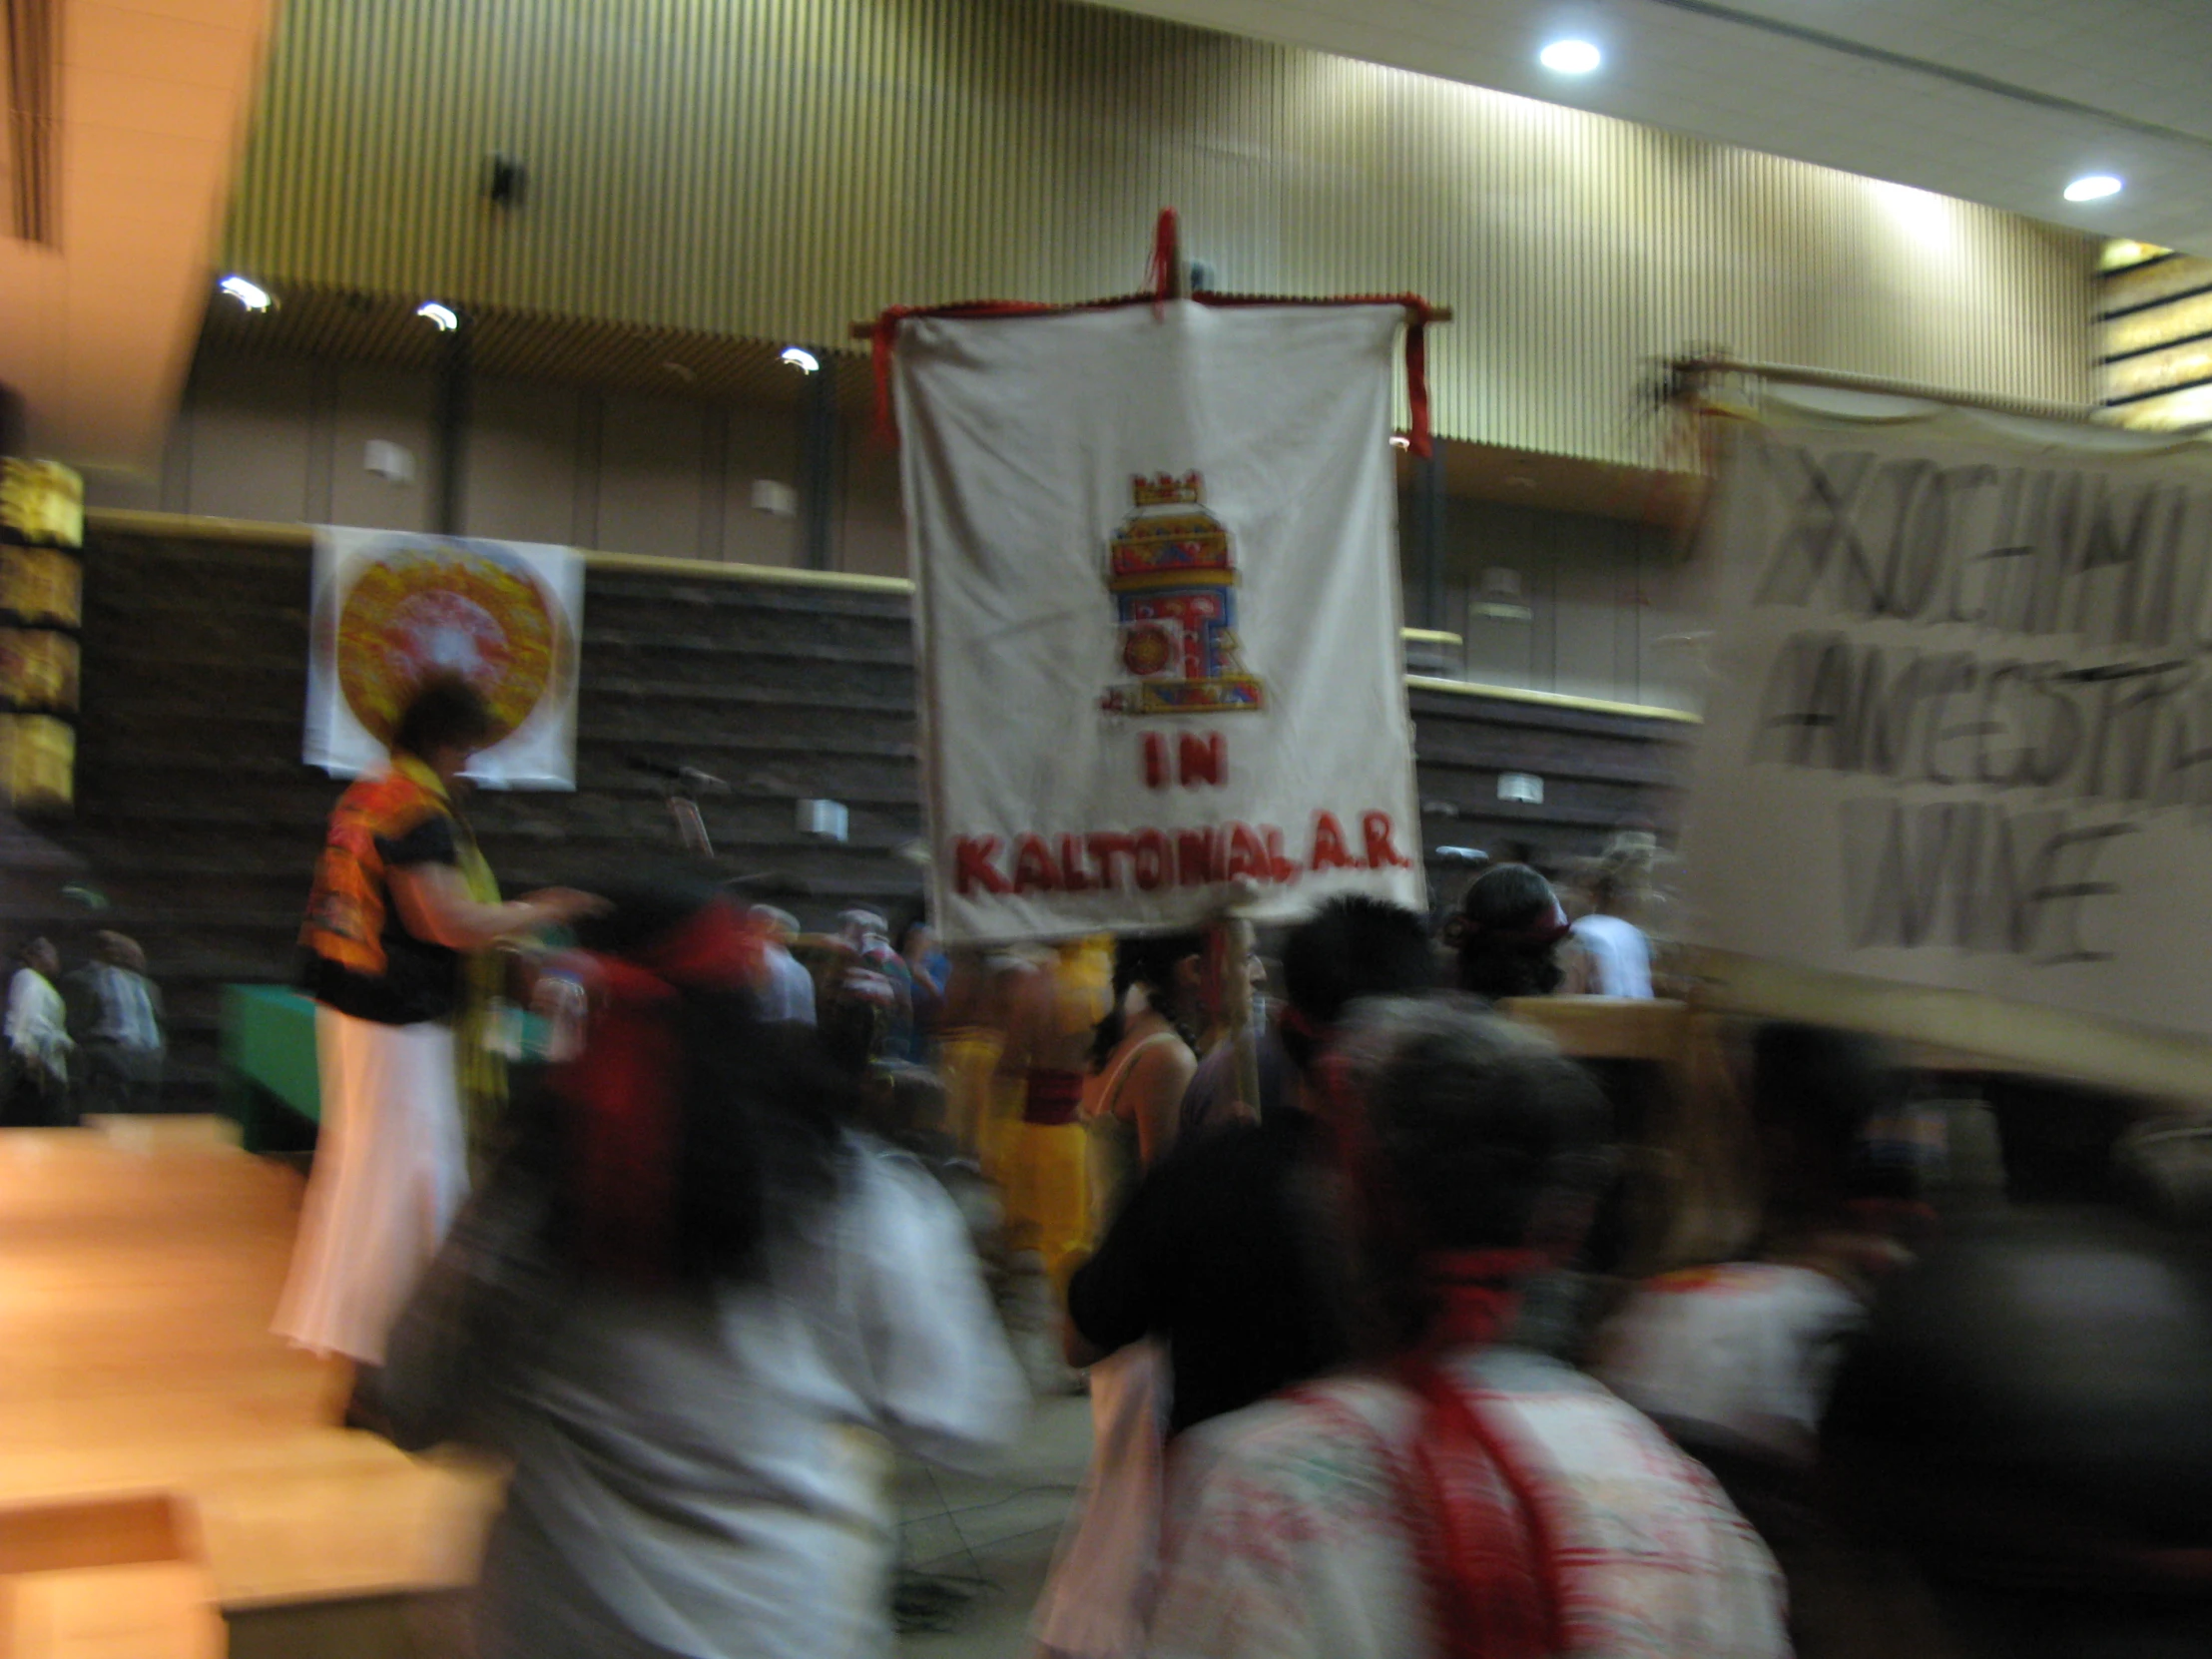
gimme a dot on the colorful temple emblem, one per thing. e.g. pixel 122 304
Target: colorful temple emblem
pixel 1174 584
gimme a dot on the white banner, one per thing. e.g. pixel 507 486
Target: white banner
pixel 1963 733
pixel 390 607
pixel 1158 614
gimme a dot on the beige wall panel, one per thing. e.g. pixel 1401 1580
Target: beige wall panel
pixel 775 169
pixel 521 483
pixel 249 430
pixel 1590 584
pixel 652 456
pixel 763 443
pixel 870 528
pixel 390 405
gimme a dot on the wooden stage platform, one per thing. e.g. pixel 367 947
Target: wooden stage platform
pixel 140 1264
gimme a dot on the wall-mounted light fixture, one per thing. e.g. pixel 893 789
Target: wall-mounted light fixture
pixel 251 295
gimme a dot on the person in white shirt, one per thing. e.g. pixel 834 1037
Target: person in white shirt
pixel 1455 1496
pixel 114 1019
pixel 38 1042
pixel 1614 947
pixel 789 993
pixel 728 1280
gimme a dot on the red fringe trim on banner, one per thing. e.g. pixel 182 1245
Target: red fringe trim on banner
pixel 884 341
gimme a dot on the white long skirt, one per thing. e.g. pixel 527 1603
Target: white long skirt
pixel 1099 1597
pixel 390 1168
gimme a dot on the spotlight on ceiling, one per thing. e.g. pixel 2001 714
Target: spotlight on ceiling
pixel 2093 187
pixel 252 295
pixel 1571 57
pixel 1399 440
pixel 800 359
pixel 439 316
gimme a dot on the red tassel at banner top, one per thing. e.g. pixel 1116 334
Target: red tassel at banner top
pixel 882 344
pixel 1167 254
pixel 1416 376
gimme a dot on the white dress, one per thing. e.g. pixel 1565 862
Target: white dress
pixel 391 1169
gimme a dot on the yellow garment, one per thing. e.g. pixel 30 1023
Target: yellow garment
pixel 483 1068
pixel 1048 1196
pixel 968 1055
pixel 998 1125
pixel 1082 983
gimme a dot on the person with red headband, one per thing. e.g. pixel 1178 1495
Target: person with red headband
pixel 1507 935
pixel 1455 1497
pixel 686 1280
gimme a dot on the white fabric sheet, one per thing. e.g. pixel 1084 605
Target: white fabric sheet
pixel 1158 614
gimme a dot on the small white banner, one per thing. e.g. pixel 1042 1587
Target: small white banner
pixel 1963 733
pixel 390 608
pixel 1158 614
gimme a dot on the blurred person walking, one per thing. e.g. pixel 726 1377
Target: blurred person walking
pixel 1735 1358
pixel 1043 1165
pixel 1215 1252
pixel 1616 953
pixel 1141 1062
pixel 401 898
pixel 1203 1295
pixel 38 1041
pixel 787 992
pixel 684 1281
pixel 1455 1497
pixel 115 1019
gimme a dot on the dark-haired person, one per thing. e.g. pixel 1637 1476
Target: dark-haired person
pixel 1452 1497
pixel 1215 1252
pixel 726 1278
pixel 1141 1061
pixel 1507 935
pixel 401 897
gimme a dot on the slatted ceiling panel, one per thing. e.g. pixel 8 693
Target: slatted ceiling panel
pixel 775 169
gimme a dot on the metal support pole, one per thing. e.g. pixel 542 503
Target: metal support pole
pixel 817 464
pixel 1430 518
pixel 454 371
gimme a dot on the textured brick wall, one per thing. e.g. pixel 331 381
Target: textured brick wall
pixel 198 823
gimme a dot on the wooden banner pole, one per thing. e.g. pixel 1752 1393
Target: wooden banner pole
pixel 1229 965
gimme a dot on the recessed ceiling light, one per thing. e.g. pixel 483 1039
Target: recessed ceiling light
pixel 2093 187
pixel 439 316
pixel 800 359
pixel 252 295
pixel 1571 57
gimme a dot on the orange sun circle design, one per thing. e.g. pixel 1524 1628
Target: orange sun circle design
pixel 1148 650
pixel 411 613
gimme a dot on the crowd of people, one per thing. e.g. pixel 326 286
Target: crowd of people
pixel 91 1040
pixel 1374 1361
